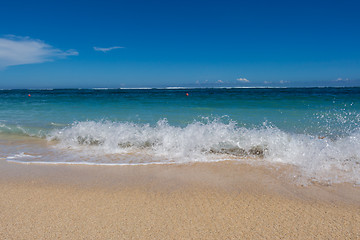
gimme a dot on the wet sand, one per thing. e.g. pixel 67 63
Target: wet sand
pixel 198 201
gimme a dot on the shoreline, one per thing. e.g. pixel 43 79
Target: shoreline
pixel 202 201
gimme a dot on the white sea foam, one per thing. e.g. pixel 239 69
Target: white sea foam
pixel 20 156
pixel 330 158
pixel 85 163
pixel 318 159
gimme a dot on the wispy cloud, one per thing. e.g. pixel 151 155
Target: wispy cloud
pixel 15 50
pixel 106 49
pixel 283 81
pixel 342 79
pixel 242 80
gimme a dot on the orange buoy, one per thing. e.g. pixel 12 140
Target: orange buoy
pixel 187 94
pixel 29 95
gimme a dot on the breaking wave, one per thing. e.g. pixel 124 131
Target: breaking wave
pixel 317 157
pixel 329 158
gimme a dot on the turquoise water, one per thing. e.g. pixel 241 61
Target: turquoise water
pixel 314 129
pixel 321 111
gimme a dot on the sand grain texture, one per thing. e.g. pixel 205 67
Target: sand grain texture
pixel 163 207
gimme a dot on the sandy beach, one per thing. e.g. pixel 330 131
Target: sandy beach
pixel 198 201
pixel 179 120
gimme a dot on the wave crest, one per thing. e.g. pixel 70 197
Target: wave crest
pixel 192 141
pixel 318 158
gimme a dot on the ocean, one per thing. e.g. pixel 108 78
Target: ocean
pixel 315 131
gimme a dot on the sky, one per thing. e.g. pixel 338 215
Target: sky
pixel 115 44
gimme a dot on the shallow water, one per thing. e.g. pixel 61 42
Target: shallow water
pixel 314 129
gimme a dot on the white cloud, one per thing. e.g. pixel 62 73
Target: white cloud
pixel 220 81
pixel 106 49
pixel 282 81
pixel 243 80
pixel 16 50
pixel 267 82
pixel 342 79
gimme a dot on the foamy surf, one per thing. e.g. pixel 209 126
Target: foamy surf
pixel 315 131
pixel 125 143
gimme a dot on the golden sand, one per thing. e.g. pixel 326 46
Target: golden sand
pixel 201 201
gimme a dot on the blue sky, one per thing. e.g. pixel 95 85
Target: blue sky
pixel 56 44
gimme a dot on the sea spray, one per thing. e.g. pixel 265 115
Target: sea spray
pixel 312 130
pixel 318 158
